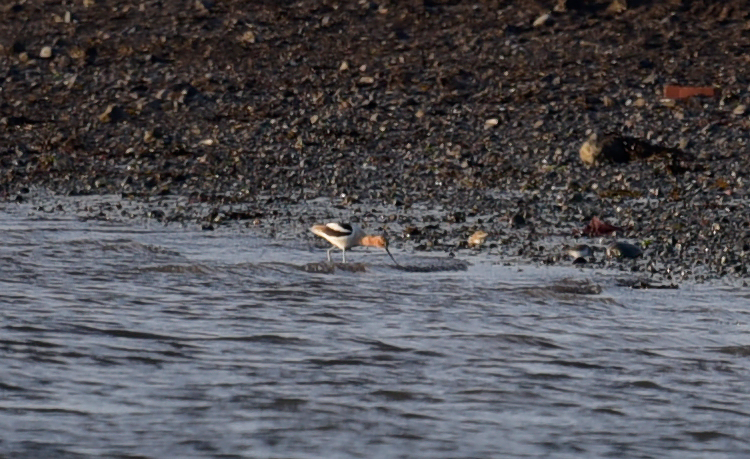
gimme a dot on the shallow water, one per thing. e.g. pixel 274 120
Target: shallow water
pixel 151 341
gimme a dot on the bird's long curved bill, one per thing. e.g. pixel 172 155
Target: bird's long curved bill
pixel 390 255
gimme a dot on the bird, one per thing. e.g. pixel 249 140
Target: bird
pixel 348 235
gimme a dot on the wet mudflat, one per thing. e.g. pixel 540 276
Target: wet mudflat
pixel 138 339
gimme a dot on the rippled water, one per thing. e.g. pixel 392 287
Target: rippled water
pixel 148 341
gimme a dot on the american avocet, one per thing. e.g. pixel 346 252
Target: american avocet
pixel 346 235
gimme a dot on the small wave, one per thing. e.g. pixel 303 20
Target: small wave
pixel 286 404
pixel 354 361
pixel 266 339
pixel 176 269
pixel 575 364
pixel 11 387
pixel 122 245
pixel 330 268
pixel 576 287
pixel 381 346
pixel 122 333
pixel 709 435
pixel 646 384
pixel 433 265
pixel 739 351
pixel 395 395
pixel 418 265
pixel 529 340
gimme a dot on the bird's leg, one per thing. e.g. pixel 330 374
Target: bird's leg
pixel 343 254
pixel 329 254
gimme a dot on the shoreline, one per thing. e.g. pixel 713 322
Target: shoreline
pixel 420 230
pixel 437 121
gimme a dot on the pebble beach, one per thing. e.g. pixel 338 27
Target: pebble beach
pixel 432 120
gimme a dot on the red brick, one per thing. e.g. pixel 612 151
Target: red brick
pixel 684 92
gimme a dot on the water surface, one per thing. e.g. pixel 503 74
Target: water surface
pixel 151 341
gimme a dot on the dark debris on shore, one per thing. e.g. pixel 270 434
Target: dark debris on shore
pixel 475 108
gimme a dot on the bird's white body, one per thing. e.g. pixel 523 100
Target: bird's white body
pixel 344 236
pixel 348 235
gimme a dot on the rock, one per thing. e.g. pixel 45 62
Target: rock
pixel 112 114
pixel 608 147
pixel 518 220
pixel 77 52
pixel 411 232
pixel 740 110
pixel 366 81
pixel 561 6
pixel 492 122
pixel 247 37
pixel 18 47
pixel 617 7
pixel 46 52
pixel 542 20
pixel 204 7
pixel 651 79
pixel 477 239
pixel 578 251
pixel 623 250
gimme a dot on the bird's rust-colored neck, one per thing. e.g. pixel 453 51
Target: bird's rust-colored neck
pixel 374 241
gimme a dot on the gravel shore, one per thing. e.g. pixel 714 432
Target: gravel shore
pixel 433 118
